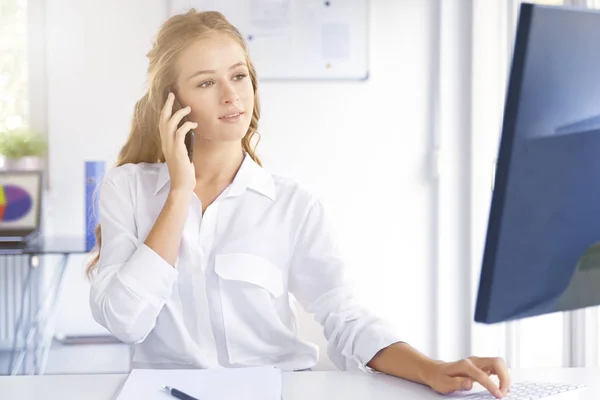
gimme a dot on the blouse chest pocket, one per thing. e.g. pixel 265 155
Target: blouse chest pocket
pixel 251 270
pixel 252 289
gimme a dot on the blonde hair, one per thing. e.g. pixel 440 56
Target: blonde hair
pixel 176 34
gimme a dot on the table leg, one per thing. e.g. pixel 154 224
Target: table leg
pixel 15 360
pixel 41 325
pixel 48 332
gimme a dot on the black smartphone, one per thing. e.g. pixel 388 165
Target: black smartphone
pixel 189 136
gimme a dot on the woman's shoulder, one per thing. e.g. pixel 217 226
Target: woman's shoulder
pixel 126 174
pixel 291 191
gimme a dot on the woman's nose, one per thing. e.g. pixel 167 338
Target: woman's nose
pixel 229 94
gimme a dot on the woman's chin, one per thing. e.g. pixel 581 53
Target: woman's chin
pixel 236 133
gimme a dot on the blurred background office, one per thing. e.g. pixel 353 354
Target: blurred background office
pixel 402 156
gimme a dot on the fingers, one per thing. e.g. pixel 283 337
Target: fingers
pixel 501 370
pixel 178 116
pixel 185 128
pixel 450 385
pixel 468 368
pixel 168 117
pixel 167 109
pixel 461 384
pixel 498 367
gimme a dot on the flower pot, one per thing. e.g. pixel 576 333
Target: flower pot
pixel 27 163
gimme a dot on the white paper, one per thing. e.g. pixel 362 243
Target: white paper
pixel 253 383
pixel 335 41
pixel 271 14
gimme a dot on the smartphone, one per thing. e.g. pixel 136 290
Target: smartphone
pixel 189 136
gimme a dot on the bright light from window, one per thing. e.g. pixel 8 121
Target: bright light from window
pixel 550 2
pixel 14 103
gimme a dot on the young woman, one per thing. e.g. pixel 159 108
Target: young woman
pixel 197 260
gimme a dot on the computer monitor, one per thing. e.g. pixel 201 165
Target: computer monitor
pixel 542 249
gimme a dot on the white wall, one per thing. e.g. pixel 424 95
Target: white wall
pixel 362 146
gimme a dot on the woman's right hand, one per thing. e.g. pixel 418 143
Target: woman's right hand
pixel 172 139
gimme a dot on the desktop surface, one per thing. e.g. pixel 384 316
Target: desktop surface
pixel 43 245
pixel 315 385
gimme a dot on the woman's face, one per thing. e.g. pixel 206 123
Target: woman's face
pixel 214 81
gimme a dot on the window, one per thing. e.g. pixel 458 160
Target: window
pixel 541 341
pixel 593 4
pixel 14 97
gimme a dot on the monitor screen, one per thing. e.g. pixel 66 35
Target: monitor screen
pixel 542 249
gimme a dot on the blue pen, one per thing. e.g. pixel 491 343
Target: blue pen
pixel 178 393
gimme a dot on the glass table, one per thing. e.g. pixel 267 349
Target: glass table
pixel 31 276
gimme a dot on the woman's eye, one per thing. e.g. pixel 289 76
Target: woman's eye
pixel 207 84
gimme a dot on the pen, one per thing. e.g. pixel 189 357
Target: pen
pixel 178 393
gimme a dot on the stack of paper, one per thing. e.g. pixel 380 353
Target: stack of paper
pixel 254 383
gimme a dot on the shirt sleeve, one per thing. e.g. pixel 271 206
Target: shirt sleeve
pixel 131 282
pixel 317 280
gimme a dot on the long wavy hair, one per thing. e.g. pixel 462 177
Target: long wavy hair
pixel 175 35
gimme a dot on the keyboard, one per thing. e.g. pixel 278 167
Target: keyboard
pixel 533 391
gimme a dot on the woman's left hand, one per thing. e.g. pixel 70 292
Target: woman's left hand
pixel 450 377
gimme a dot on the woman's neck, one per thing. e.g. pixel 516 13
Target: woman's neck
pixel 217 162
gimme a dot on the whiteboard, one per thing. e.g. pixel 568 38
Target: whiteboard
pixel 297 39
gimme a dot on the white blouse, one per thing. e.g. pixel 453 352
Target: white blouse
pixel 227 301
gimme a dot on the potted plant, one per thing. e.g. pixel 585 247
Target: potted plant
pixel 22 149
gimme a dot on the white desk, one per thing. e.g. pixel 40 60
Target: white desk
pixel 318 385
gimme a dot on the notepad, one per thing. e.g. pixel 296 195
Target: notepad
pixel 252 383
